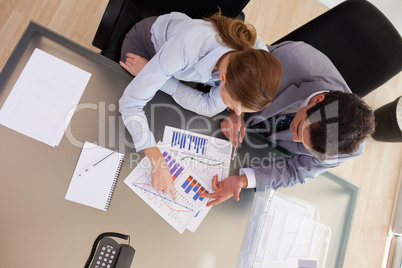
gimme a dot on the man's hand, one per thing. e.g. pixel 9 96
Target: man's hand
pixel 231 186
pixel 161 177
pixel 134 63
pixel 230 126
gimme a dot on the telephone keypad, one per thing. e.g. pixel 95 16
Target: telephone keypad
pixel 106 255
pixel 106 258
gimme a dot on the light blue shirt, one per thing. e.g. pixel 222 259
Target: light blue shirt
pixel 188 50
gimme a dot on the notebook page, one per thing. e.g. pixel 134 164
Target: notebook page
pixel 95 187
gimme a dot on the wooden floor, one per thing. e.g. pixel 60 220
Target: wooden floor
pixel 376 172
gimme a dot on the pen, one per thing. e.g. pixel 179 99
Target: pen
pixel 235 151
pixel 91 167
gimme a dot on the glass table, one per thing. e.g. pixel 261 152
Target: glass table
pixel 42 229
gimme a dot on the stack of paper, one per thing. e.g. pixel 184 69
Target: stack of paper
pixel 193 159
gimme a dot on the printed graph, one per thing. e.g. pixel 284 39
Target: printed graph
pixel 205 168
pixel 189 184
pixel 177 213
pixel 188 187
pixel 192 159
pixel 189 142
pixel 174 167
pixel 193 188
pixel 161 199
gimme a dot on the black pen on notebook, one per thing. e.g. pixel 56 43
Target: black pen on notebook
pixel 91 167
pixel 235 150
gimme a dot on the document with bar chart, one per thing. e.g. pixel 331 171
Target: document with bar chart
pixel 188 188
pixel 193 159
pixel 203 156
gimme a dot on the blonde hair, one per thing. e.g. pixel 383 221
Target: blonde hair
pixel 253 75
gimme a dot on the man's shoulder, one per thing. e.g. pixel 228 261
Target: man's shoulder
pixel 302 63
pixel 290 47
pixel 298 52
pixel 286 45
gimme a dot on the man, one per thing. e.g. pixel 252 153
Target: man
pixel 328 124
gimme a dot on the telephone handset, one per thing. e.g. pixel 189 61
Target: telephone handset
pixel 110 254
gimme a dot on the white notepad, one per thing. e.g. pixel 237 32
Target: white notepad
pixel 95 176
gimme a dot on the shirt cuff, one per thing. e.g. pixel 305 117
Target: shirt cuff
pixel 249 172
pixel 140 143
pixel 142 136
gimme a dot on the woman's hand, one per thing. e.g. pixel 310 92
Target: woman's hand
pixel 161 177
pixel 134 63
pixel 230 127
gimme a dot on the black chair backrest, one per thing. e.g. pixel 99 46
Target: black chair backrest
pixel 361 42
pixel 121 15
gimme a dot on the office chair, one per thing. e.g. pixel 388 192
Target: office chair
pixel 121 15
pixel 361 42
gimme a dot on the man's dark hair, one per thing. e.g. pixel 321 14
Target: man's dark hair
pixel 339 123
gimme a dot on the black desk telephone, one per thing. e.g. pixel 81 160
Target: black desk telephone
pixel 110 254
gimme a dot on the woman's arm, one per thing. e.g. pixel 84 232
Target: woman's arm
pixel 143 87
pixel 206 104
pixel 137 94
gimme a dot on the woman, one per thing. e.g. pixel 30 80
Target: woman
pixel 221 52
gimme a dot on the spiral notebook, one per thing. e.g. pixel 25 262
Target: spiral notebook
pixel 95 176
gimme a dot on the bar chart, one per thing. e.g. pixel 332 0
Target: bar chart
pixel 178 213
pixel 174 167
pixel 192 159
pixel 193 188
pixel 190 142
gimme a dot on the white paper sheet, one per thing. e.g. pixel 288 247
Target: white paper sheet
pixel 203 155
pixel 193 159
pixel 43 99
pixel 177 213
pixel 206 156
